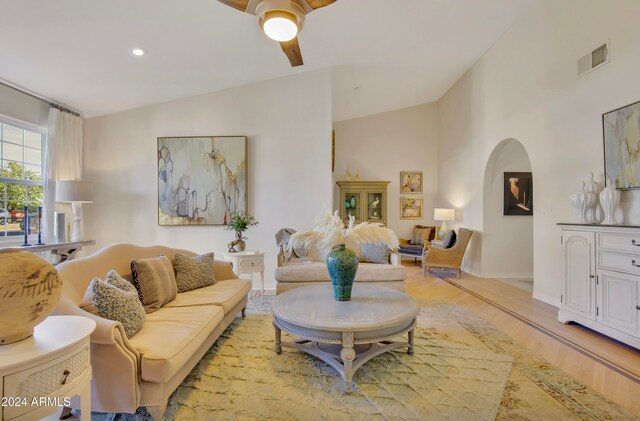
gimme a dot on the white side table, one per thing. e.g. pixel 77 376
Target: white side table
pixel 47 369
pixel 248 262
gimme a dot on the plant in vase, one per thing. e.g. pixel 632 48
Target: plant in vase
pixel 239 222
pixel 335 241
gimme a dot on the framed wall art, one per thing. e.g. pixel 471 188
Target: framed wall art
pixel 621 134
pixel 410 207
pixel 201 179
pixel 518 193
pixel 410 182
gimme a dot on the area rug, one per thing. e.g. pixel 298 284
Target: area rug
pixel 462 369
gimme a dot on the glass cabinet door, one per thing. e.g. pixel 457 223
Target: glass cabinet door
pixel 351 205
pixel 375 207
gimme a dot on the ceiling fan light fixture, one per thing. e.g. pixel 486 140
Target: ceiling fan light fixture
pixel 280 25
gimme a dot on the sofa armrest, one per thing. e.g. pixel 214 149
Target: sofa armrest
pixel 107 332
pixel 115 363
pixel 224 271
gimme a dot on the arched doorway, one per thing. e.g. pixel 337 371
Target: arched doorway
pixel 507 240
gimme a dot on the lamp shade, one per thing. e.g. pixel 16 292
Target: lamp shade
pixel 440 214
pixel 74 191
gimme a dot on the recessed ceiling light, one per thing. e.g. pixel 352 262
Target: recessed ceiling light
pixel 137 52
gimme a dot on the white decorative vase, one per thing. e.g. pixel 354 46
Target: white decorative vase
pixel 30 288
pixel 610 199
pixel 581 202
pixel 593 212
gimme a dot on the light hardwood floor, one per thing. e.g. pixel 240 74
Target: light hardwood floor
pixel 607 366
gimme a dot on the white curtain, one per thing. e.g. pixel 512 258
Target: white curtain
pixel 63 161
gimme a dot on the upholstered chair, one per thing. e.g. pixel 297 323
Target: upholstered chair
pixel 419 242
pixel 448 258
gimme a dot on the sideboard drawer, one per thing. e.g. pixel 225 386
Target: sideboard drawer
pixel 44 380
pixel 628 263
pixel 621 242
pixel 256 264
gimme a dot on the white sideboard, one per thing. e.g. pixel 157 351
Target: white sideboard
pixel 601 279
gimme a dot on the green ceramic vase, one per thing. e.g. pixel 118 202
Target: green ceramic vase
pixel 342 264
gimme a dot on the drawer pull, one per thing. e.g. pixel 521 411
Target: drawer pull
pixel 591 276
pixel 633 263
pixel 66 374
pixel 252 264
pixel 637 307
pixel 635 243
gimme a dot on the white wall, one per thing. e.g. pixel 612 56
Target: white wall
pixel 507 240
pixel 379 146
pixel 525 87
pixel 288 124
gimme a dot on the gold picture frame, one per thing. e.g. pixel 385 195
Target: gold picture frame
pixel 410 182
pixel 411 207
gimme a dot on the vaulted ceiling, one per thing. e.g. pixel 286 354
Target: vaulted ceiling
pixel 384 54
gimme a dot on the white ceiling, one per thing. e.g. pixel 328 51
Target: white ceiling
pixel 399 52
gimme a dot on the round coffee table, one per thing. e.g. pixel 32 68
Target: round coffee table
pixel 344 334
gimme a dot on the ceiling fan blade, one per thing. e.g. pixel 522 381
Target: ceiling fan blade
pixel 292 50
pixel 316 4
pixel 240 5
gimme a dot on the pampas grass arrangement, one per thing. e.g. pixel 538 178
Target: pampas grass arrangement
pixel 329 232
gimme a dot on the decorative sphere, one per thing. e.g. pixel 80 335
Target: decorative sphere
pixel 353 202
pixel 347 204
pixel 30 288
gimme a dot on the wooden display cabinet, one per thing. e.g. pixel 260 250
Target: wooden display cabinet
pixel 365 200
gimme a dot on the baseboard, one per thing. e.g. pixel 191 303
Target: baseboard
pixel 497 275
pixel 546 299
pixel 508 275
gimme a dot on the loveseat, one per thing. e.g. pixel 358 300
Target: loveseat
pixel 293 271
pixel 145 369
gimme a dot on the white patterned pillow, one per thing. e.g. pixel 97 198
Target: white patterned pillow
pixel 374 253
pixel 194 272
pixel 116 299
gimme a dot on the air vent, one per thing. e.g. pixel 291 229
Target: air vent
pixel 594 59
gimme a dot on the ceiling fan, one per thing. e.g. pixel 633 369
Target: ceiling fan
pixel 281 20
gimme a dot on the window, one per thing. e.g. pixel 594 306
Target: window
pixel 21 177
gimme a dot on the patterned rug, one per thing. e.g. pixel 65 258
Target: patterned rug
pixel 462 369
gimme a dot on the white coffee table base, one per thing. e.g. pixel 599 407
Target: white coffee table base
pixel 347 355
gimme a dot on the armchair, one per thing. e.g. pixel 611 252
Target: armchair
pixel 447 258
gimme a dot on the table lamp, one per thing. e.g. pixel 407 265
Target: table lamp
pixel 76 193
pixel 440 214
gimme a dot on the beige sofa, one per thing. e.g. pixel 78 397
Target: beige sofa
pixel 293 273
pixel 145 369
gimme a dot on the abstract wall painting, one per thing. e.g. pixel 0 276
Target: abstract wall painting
pixel 410 181
pixel 518 193
pixel 621 132
pixel 201 179
pixel 410 207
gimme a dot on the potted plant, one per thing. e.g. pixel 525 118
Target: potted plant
pixel 331 236
pixel 239 222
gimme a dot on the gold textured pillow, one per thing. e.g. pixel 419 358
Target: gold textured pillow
pixel 155 282
pixel 420 235
pixel 194 272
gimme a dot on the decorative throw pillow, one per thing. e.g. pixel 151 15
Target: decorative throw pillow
pixel 116 299
pixel 420 235
pixel 449 239
pixel 155 281
pixel 194 272
pixel 375 253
